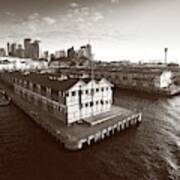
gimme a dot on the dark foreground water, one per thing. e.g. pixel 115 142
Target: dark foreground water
pixel 149 152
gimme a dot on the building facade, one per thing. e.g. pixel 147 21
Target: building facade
pixel 70 100
pixel 147 80
pixel 136 79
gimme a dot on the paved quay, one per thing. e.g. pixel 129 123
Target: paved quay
pixel 76 136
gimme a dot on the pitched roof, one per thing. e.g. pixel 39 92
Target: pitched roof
pixel 44 80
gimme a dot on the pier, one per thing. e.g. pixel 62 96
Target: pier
pixel 78 135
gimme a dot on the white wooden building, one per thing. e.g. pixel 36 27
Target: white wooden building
pixel 88 98
pixel 70 100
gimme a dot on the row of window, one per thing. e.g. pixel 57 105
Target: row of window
pixel 91 104
pixel 92 91
pixel 56 107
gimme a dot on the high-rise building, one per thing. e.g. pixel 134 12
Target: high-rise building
pixel 8 49
pixel 46 55
pixel 2 52
pixel 31 49
pixel 13 50
pixel 20 51
pixel 71 53
pixel 89 51
pixel 35 50
pixel 60 54
pixel 85 51
pixel 27 48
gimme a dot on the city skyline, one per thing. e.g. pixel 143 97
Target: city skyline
pixel 117 29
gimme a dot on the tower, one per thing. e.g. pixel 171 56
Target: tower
pixel 165 57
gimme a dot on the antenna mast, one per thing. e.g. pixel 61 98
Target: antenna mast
pixel 165 57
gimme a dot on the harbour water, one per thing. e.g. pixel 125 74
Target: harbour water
pixel 149 152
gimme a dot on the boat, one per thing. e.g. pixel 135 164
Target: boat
pixel 4 99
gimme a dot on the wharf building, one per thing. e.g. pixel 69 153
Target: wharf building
pixel 158 79
pixel 70 100
pixel 137 79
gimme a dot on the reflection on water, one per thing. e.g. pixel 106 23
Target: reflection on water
pixel 151 151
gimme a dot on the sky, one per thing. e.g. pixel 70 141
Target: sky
pixel 117 29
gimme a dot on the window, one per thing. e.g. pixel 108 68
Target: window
pixel 97 102
pixel 102 89
pixel 87 91
pixel 102 102
pixel 107 89
pixel 91 104
pixel 67 94
pixel 124 78
pixel 59 108
pixel 86 104
pixel 92 91
pixel 107 102
pixel 97 89
pixel 80 92
pixel 73 93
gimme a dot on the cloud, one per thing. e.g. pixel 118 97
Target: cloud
pixel 114 1
pixel 74 5
pixel 33 16
pixel 97 17
pixel 8 13
pixel 49 20
pixel 85 10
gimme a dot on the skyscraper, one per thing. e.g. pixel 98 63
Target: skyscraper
pixel 46 55
pixel 2 52
pixel 85 51
pixel 89 51
pixel 20 51
pixel 35 50
pixel 13 50
pixel 8 49
pixel 27 48
pixel 31 49
pixel 71 53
